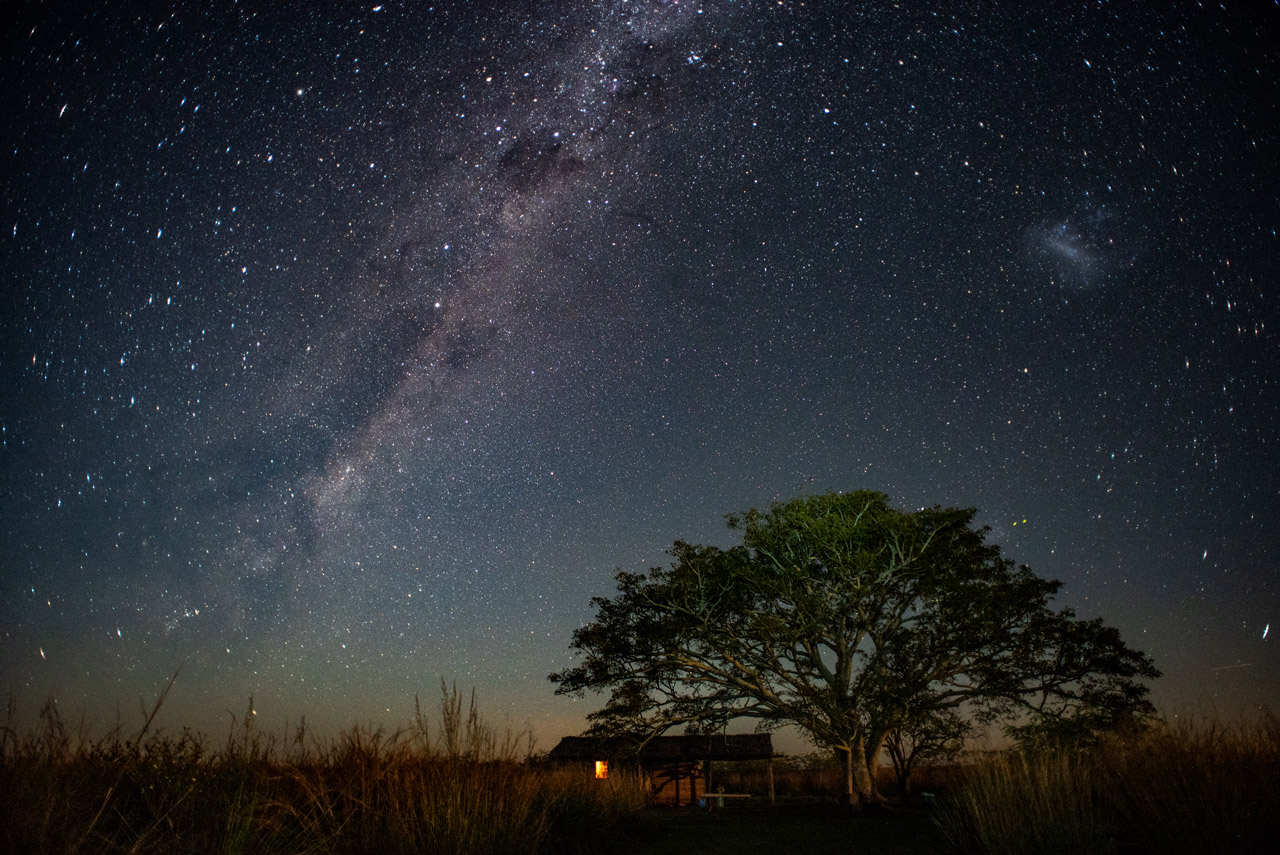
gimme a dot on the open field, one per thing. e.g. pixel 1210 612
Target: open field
pixel 454 785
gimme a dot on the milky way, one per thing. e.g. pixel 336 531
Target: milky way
pixel 350 348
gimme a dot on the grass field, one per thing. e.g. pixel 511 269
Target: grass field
pixel 1185 788
pixel 454 786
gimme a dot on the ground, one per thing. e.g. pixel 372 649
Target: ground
pixel 807 829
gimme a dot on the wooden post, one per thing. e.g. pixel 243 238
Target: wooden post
pixel 769 766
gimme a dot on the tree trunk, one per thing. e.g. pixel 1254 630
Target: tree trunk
pixel 850 798
pixel 865 773
pixel 859 787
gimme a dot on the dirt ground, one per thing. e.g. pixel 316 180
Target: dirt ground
pixel 786 829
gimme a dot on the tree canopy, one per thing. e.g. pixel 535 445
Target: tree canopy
pixel 850 619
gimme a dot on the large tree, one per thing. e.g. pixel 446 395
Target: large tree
pixel 847 618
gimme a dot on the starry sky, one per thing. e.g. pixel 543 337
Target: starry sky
pixel 347 347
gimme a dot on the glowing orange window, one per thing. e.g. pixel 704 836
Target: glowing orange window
pixel 602 768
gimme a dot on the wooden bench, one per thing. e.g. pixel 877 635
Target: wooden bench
pixel 722 796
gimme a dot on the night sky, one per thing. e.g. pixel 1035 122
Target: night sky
pixel 346 347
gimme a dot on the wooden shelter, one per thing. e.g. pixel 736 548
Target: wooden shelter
pixel 677 768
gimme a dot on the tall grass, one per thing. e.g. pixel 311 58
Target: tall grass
pixel 452 786
pixel 1185 788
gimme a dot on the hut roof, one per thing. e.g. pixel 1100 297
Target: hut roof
pixel 744 746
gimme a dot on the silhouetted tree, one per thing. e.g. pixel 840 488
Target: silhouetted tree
pixel 845 617
pixel 922 737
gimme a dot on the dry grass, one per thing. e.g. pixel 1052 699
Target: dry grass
pixel 1178 788
pixel 456 786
